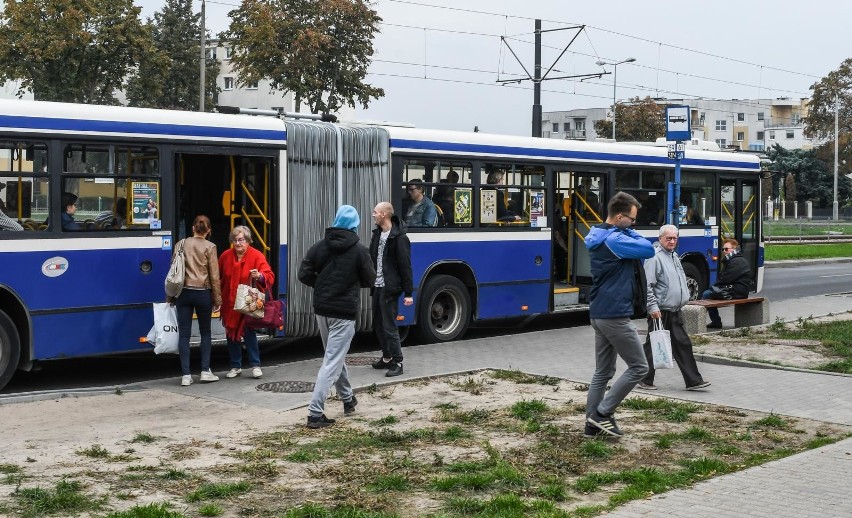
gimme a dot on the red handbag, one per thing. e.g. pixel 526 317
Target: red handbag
pixel 273 315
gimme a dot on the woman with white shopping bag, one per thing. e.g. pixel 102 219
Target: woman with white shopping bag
pixel 200 294
pixel 242 264
pixel 667 294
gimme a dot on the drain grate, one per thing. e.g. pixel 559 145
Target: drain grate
pixel 360 360
pixel 287 386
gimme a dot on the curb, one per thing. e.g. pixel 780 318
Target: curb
pixel 788 263
pixel 734 362
pixel 45 395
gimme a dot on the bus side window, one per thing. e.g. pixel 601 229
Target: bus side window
pixel 24 188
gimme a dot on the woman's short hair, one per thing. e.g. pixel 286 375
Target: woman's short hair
pixel 494 177
pixel 240 229
pixel 733 241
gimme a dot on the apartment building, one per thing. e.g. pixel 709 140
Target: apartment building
pixel 746 124
pixel 256 95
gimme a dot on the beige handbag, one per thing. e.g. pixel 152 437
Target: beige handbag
pixel 249 301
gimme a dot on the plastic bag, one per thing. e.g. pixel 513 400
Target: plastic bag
pixel 661 346
pixel 164 333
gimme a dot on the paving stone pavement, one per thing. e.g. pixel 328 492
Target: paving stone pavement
pixel 814 483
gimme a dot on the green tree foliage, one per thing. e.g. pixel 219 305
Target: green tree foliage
pixel 814 180
pixel 819 122
pixel 637 120
pixel 71 50
pixel 317 49
pixel 168 75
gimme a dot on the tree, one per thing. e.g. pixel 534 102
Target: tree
pixel 168 76
pixel 71 50
pixel 317 49
pixel 819 123
pixel 637 120
pixel 813 179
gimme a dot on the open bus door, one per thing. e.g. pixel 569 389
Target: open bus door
pixel 739 219
pixel 578 208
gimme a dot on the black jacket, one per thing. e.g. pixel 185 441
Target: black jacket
pixel 337 267
pixel 737 273
pixel 396 263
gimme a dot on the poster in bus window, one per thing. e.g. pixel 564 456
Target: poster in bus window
pixel 488 206
pixel 536 205
pixel 463 206
pixel 146 202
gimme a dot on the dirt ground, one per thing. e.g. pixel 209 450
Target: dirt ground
pixel 760 345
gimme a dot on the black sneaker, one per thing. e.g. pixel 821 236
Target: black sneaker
pixel 394 370
pixel 319 422
pixel 349 406
pixel 702 385
pixel 382 364
pixel 592 431
pixel 604 423
pixel 714 325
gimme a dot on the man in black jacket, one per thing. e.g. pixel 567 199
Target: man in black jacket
pixel 390 251
pixel 336 267
pixel 736 274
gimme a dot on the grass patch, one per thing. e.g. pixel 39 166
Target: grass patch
pixel 470 385
pixel 218 491
pixel 210 510
pixel 674 411
pixel 595 450
pixel 519 377
pixel 8 469
pixel 388 483
pixel 385 421
pixel 529 410
pixel 311 510
pixel 778 252
pixel 144 438
pixel 162 510
pixel 835 336
pixel 95 451
pixel 773 421
pixel 66 498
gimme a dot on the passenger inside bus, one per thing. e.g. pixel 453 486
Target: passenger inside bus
pixel 69 207
pixel 503 212
pixel 7 223
pixel 443 197
pixel 421 212
pixel 115 218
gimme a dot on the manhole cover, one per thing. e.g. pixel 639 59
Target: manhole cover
pixel 287 386
pixel 360 360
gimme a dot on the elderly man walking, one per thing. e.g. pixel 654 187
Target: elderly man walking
pixel 336 267
pixel 667 294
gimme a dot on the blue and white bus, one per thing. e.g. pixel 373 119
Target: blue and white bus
pixel 508 241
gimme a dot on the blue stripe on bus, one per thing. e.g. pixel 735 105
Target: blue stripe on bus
pixel 142 128
pixel 562 153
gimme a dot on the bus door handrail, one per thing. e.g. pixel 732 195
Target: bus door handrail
pixel 254 229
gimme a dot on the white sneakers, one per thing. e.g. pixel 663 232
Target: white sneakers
pixel 256 372
pixel 233 373
pixel 208 376
pixel 185 381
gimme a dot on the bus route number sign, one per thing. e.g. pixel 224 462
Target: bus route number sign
pixel 676 150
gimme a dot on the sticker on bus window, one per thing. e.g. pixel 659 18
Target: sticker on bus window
pixel 54 267
pixel 462 206
pixel 156 224
pixel 167 243
pixel 146 202
pixel 488 204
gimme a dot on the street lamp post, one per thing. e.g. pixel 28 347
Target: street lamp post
pixel 614 76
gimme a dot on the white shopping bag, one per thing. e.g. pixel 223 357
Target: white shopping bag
pixel 661 346
pixel 164 334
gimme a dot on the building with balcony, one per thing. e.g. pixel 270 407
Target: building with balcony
pixel 745 124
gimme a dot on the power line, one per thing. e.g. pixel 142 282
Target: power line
pixel 624 35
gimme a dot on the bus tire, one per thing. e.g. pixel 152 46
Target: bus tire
pixel 694 281
pixel 404 332
pixel 443 313
pixel 10 349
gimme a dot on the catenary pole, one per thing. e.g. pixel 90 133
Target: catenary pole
pixel 203 61
pixel 536 113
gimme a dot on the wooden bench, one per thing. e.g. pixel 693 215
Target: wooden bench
pixel 752 311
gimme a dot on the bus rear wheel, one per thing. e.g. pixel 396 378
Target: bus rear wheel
pixel 694 281
pixel 444 310
pixel 10 349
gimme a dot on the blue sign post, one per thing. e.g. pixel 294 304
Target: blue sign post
pixel 677 131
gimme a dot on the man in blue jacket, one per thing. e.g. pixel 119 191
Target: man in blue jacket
pixel 616 295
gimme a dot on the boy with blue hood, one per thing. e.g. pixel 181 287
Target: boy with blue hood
pixel 618 292
pixel 336 267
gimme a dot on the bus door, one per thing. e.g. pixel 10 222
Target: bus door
pixel 578 206
pixel 231 190
pixel 739 219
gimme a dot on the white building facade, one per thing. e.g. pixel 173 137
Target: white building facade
pixel 746 124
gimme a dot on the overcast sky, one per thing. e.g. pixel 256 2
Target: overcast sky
pixel 439 67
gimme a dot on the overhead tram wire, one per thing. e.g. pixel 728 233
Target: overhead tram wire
pixel 624 35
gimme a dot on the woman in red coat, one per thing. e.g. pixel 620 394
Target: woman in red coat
pixel 242 264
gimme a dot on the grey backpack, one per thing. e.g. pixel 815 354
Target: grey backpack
pixel 174 279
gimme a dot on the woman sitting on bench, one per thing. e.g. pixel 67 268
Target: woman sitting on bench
pixel 735 278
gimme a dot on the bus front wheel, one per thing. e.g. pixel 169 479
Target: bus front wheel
pixel 444 310
pixel 694 281
pixel 10 349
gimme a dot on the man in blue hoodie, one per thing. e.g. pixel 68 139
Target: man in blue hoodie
pixel 337 267
pixel 618 292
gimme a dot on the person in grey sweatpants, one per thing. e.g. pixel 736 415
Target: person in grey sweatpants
pixel 618 292
pixel 337 267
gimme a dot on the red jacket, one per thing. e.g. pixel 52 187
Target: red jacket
pixel 234 272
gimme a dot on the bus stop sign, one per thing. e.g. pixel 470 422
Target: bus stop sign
pixel 677 123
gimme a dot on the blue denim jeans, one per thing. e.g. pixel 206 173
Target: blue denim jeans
pixel 713 312
pixel 201 302
pixel 235 350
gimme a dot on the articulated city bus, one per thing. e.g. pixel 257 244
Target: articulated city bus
pixel 508 240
